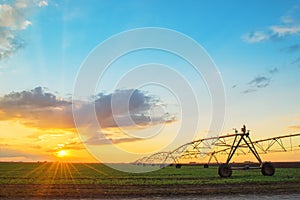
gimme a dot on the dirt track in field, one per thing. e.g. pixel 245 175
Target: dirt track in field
pixel 110 191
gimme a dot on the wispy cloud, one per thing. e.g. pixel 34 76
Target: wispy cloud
pixel 73 143
pixel 255 36
pixel 284 30
pixel 100 139
pixel 13 20
pixel 296 61
pixel 287 19
pixel 294 127
pixel 272 33
pixel 43 3
pixel 10 153
pixel 30 3
pixel 289 26
pixel 291 49
pixel 248 91
pixel 260 82
pixel 275 70
pixel 256 83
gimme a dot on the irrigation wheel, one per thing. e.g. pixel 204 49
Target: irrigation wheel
pixel 224 171
pixel 267 169
pixel 178 166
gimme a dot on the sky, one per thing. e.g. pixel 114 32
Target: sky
pixel 254 45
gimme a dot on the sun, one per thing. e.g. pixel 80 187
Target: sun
pixel 62 153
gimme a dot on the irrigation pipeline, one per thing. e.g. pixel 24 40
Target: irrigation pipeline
pixel 206 147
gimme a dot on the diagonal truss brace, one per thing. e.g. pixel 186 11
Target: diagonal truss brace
pixel 237 143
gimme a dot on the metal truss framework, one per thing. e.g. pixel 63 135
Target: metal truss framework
pixel 227 144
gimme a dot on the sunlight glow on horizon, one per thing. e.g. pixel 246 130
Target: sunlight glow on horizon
pixel 62 153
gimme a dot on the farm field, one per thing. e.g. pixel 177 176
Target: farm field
pixel 88 180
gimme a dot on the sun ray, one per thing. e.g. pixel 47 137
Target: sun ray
pixel 36 170
pixel 97 170
pixel 75 169
pixel 74 181
pixel 46 177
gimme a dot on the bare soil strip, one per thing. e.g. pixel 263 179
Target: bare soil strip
pixel 75 191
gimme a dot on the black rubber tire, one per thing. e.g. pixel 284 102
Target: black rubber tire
pixel 224 171
pixel 178 166
pixel 205 166
pixel 267 169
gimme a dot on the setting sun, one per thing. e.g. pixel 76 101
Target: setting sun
pixel 62 153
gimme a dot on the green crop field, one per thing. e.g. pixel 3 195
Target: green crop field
pixel 69 177
pixel 70 173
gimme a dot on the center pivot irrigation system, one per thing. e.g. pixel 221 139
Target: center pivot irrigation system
pixel 228 145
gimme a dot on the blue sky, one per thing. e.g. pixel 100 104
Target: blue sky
pixel 63 33
pixel 255 45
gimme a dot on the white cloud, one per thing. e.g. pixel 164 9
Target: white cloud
pixel 9 43
pixel 282 31
pixel 11 21
pixel 256 36
pixel 5 38
pixel 273 32
pixel 11 18
pixel 43 3
pixel 289 26
pixel 287 19
pixel 22 4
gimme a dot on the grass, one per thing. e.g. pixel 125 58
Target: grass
pixel 73 173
